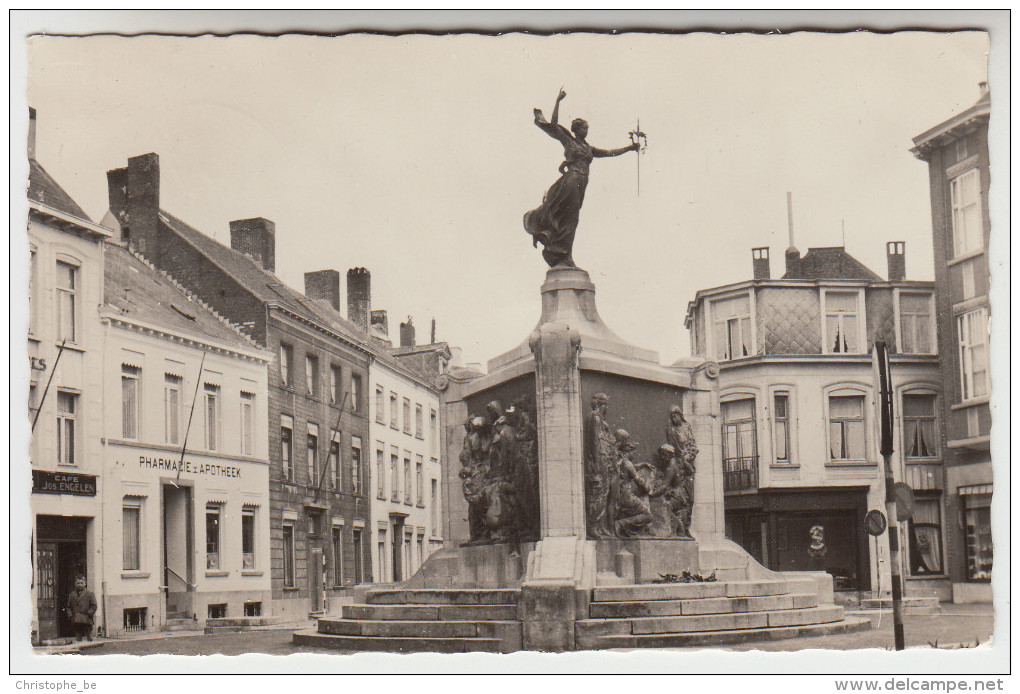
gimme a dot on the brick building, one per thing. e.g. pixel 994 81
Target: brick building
pixel 799 414
pixel 317 410
pixel 956 151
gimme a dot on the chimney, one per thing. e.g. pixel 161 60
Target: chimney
pixel 256 238
pixel 792 254
pixel 760 261
pixel 117 188
pixel 359 296
pixel 894 251
pixel 433 340
pixel 143 205
pixel 31 133
pixel 407 333
pixel 324 284
pixel 983 88
pixel 381 321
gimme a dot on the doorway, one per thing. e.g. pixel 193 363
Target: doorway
pixel 178 554
pixel 397 523
pixel 60 558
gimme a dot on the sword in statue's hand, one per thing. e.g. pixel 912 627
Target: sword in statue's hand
pixel 641 140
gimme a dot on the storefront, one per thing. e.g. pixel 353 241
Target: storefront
pixel 820 529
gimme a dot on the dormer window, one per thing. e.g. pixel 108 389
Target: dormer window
pixel 732 327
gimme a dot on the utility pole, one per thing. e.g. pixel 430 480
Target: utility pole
pixel 881 360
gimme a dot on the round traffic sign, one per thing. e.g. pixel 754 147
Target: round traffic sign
pixel 904 496
pixel 874 522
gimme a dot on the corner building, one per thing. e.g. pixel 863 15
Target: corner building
pixel 956 152
pixel 186 469
pixel 317 412
pixel 65 403
pixel 800 419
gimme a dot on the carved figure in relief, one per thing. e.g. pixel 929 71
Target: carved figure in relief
pixel 474 471
pixel 667 495
pixel 680 435
pixel 554 222
pixel 599 455
pixel 633 509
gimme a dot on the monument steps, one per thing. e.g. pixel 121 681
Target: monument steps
pixel 423 612
pixel 700 606
pixel 311 637
pixel 450 596
pixel 410 628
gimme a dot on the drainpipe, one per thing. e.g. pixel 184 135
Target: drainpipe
pixel 102 506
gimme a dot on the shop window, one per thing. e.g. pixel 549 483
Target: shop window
pixel 286 363
pixel 338 556
pixel 287 447
pixel 312 375
pixel 135 618
pixel 419 421
pixel 132 526
pixel 925 536
pixel 380 473
pixel 217 610
pixel 67 301
pixel 380 405
pixel 973 331
pixel 247 423
pixel 732 332
pixel 248 538
pixel 355 392
pixel 977 513
pixel 965 198
pixel 356 465
pixel 172 409
pixel 130 386
pixel 919 426
pixel 212 537
pixel 842 322
pixel 212 416
pixel 253 609
pixel 846 428
pixel 740 446
pixel 313 453
pixel 916 324
pixel 407 416
pixel 781 427
pixel 288 556
pixel 67 412
pixel 357 549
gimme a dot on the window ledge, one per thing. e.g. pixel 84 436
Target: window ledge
pixel 973 402
pixel 216 574
pixel 966 256
pixel 927 577
pixel 292 589
pixel 978 443
pixel 252 572
pixel 74 347
pixel 850 463
pixel 420 505
pixel 784 466
pixel 135 574
pixel 923 461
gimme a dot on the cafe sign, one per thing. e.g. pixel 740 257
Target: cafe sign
pixel 63 483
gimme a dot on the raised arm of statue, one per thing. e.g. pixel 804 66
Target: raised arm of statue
pixel 596 152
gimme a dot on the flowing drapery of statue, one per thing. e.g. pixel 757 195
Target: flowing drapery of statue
pixel 628 497
pixel 554 222
pixel 499 469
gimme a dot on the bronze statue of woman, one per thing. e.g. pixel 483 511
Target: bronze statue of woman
pixel 555 221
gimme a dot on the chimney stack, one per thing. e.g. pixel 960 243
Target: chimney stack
pixel 433 340
pixel 407 333
pixel 895 253
pixel 324 284
pixel 143 205
pixel 31 133
pixel 380 321
pixel 359 297
pixel 760 261
pixel 117 190
pixel 983 88
pixel 256 238
pixel 792 254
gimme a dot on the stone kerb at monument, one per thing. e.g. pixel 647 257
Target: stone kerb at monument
pixel 578 473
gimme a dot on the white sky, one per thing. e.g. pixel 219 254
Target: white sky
pixel 416 156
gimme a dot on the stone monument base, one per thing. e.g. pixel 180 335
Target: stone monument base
pixel 643 560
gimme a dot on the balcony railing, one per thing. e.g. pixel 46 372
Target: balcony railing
pixel 740 474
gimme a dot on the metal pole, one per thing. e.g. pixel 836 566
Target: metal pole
pixel 56 362
pixel 885 394
pixel 187 430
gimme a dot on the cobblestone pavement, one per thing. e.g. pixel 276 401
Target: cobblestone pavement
pixel 957 624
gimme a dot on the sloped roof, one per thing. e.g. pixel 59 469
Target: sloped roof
pixel 138 291
pixel 44 189
pixel 831 263
pixel 934 136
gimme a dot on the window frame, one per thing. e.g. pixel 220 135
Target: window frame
pixel 289 554
pixel 214 510
pixel 380 404
pixel 380 464
pixel 859 314
pixel 419 421
pixel 394 474
pixel 249 512
pixel 965 352
pixel 961 244
pixel 406 412
pixel 788 422
pixel 394 414
pixel 287 447
pixel 898 295
pixel 132 503
pixel 312 452
pixel 312 386
pixel 419 479
pixel 211 402
pixel 336 549
pixel 408 480
pixel 172 383
pixel 356 476
pixel 247 405
pixel 287 364
pixel 356 390
pixel 723 352
pixel 335 463
pixel 935 498
pixel 131 381
pixel 936 457
pixel 67 421
pixel 71 294
pixel 848 391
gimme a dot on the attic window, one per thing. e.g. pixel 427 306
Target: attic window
pixel 182 312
